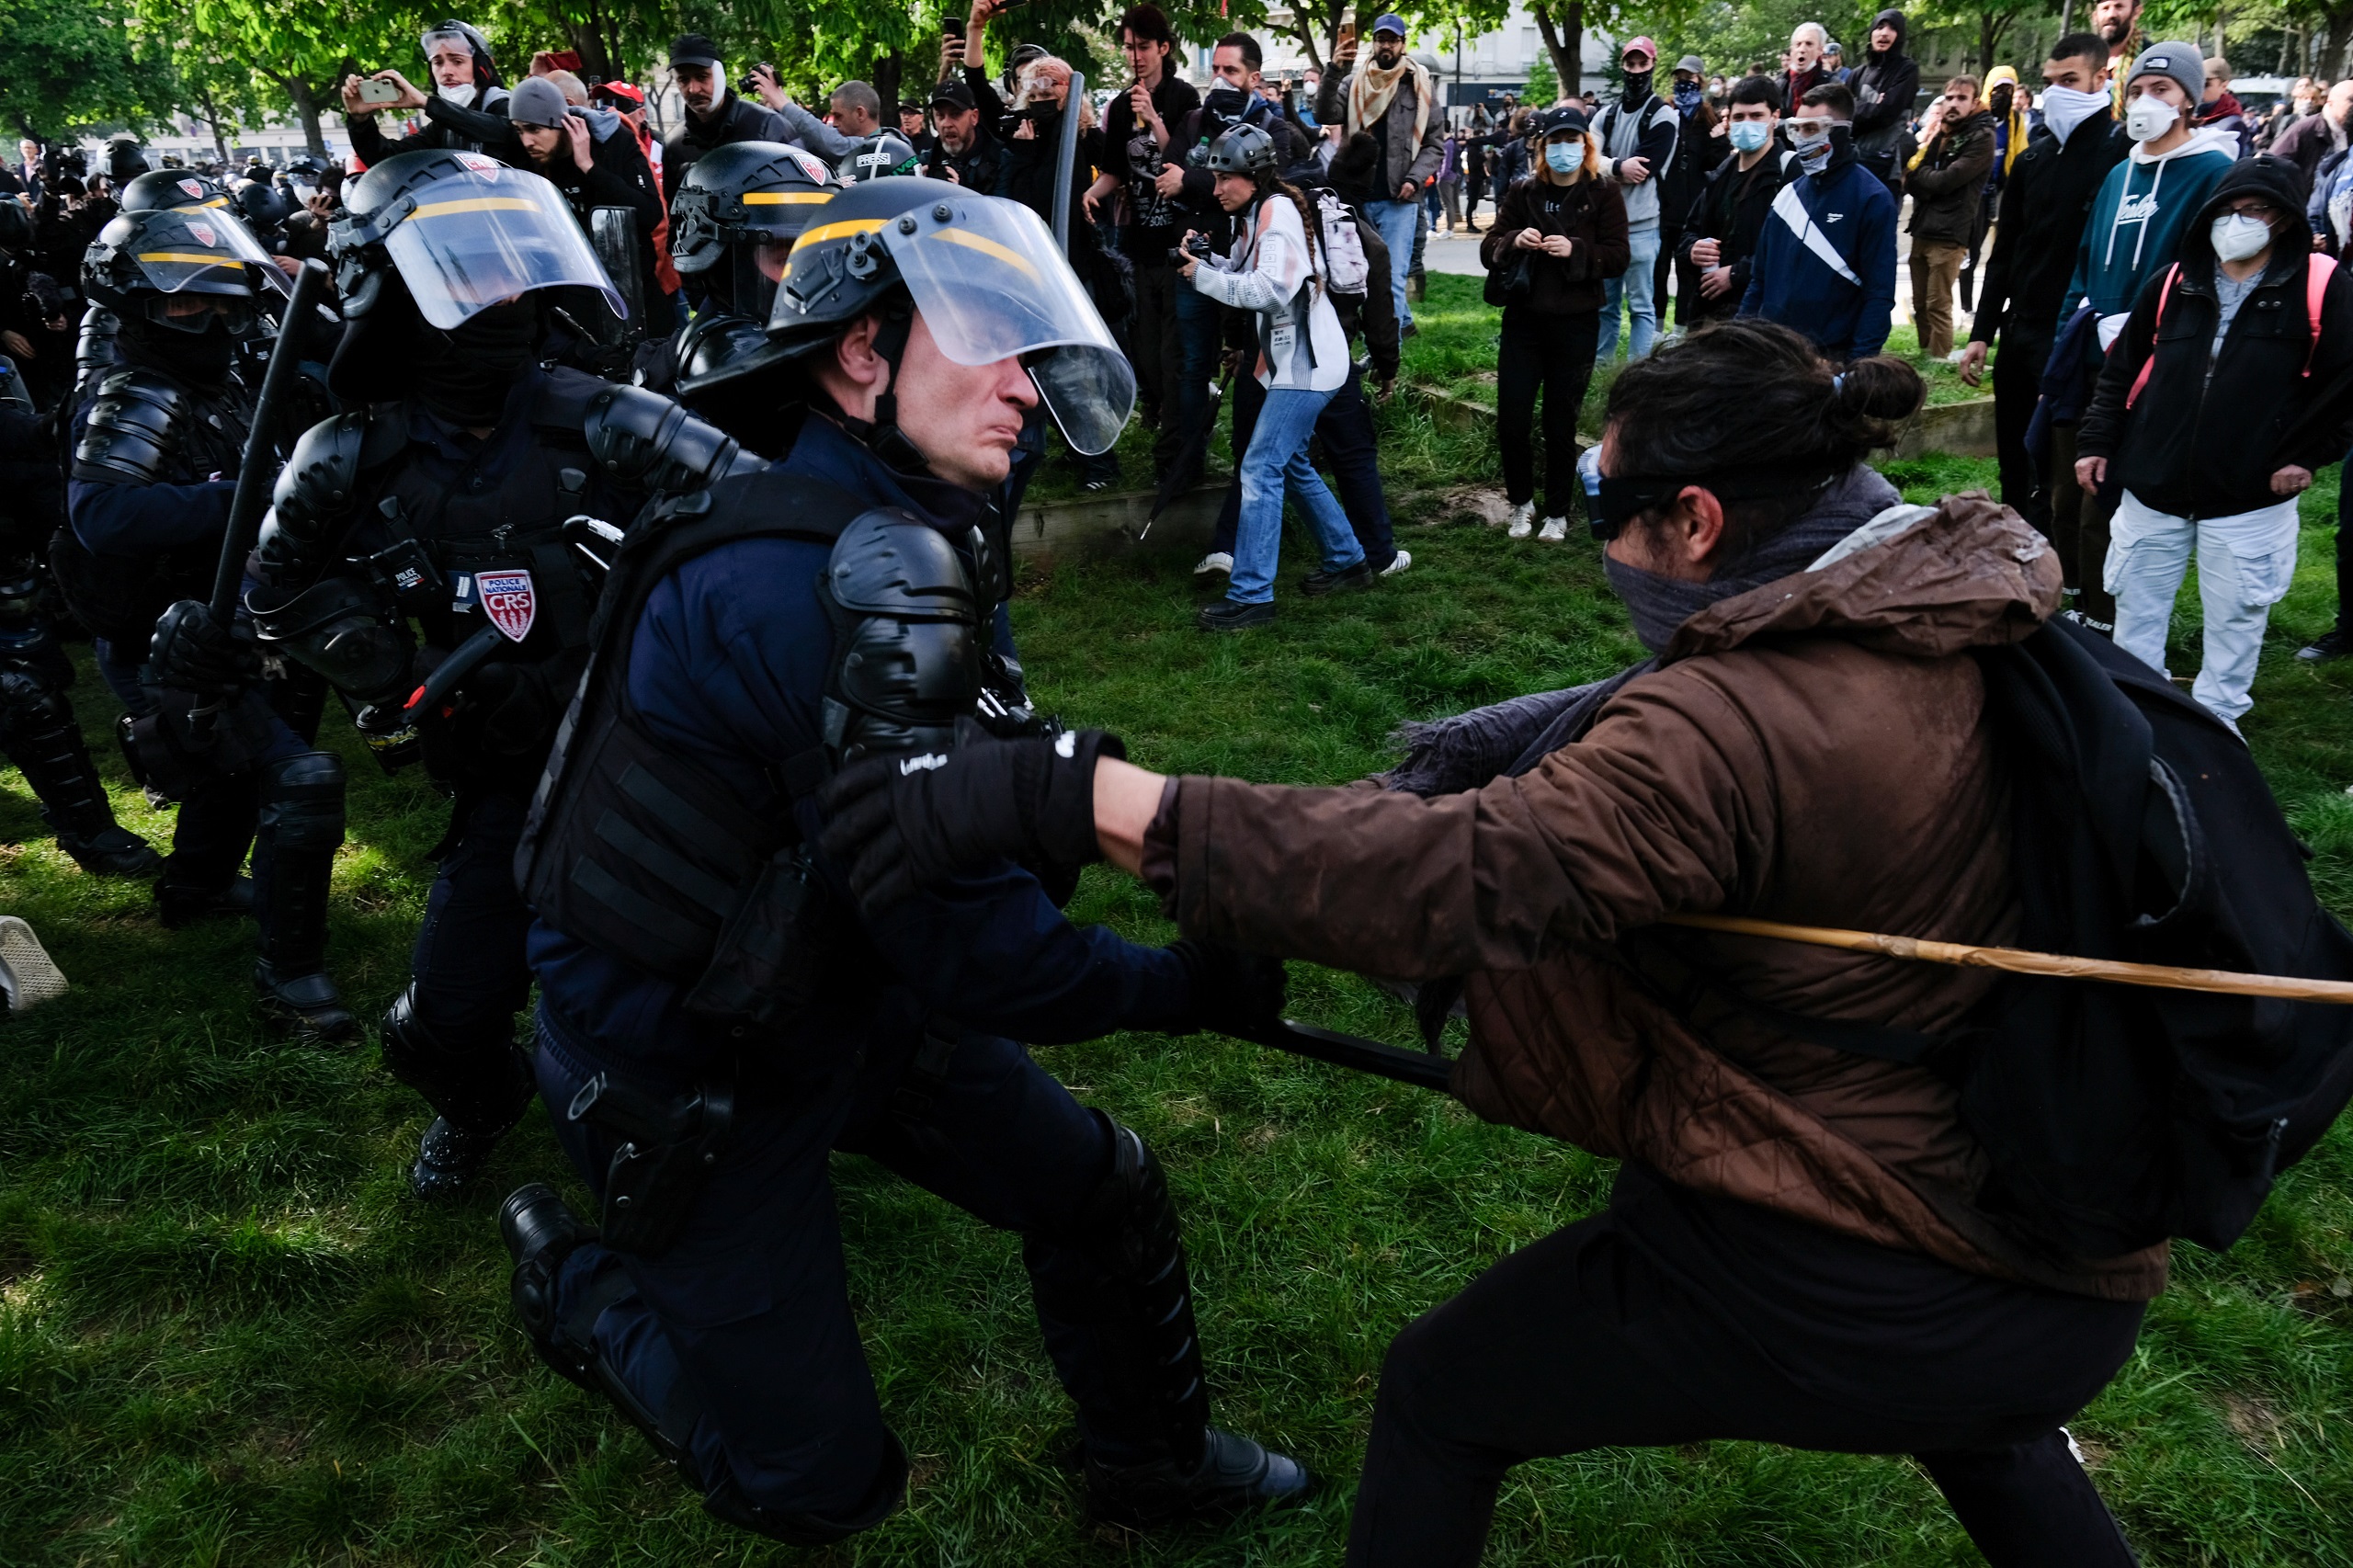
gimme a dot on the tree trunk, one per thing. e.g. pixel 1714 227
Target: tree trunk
pixel 587 37
pixel 887 76
pixel 1564 41
pixel 306 112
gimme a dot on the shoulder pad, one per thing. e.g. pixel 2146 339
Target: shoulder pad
pixel 94 351
pixel 320 483
pixel 134 431
pixel 892 562
pixel 645 439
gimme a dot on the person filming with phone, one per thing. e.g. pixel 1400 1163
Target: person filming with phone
pixel 464 78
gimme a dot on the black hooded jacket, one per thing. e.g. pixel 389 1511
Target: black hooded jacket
pixel 1884 86
pixel 2209 429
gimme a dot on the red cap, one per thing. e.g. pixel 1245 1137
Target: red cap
pixel 1644 44
pixel 633 93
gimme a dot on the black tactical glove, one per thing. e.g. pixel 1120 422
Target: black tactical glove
pixel 1235 992
pixel 898 824
pixel 194 653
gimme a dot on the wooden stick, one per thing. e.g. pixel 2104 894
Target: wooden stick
pixel 2019 960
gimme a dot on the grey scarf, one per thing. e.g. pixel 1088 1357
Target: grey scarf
pixel 1447 756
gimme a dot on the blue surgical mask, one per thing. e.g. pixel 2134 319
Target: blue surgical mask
pixel 1750 136
pixel 1564 157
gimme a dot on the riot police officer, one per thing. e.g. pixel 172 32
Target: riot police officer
pixel 714 1019
pixel 442 498
pixel 159 438
pixel 37 732
pixel 731 224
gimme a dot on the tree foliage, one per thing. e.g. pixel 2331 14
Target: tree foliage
pixel 75 67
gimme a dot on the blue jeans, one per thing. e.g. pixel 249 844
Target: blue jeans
pixel 1277 462
pixel 1398 221
pixel 1349 446
pixel 1633 288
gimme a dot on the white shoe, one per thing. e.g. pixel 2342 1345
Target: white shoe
pixel 1554 530
pixel 27 974
pixel 1215 561
pixel 1405 559
pixel 1522 521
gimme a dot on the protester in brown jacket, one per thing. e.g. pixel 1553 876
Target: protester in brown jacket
pixel 1794 1252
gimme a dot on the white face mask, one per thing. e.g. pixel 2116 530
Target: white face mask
pixel 2237 236
pixel 2149 117
pixel 2063 109
pixel 462 97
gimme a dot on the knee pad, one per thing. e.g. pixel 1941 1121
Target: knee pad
pixel 481 1086
pixel 725 1501
pixel 303 801
pixel 1128 1224
pixel 29 707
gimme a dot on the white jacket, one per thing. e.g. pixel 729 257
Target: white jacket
pixel 1273 272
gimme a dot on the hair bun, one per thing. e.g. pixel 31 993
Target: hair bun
pixel 1871 397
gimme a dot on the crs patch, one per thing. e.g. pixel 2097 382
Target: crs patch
pixel 204 234
pixel 489 168
pixel 507 599
pixel 194 191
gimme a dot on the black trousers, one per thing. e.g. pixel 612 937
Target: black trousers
pixel 1618 1331
pixel 1552 353
pixel 2018 385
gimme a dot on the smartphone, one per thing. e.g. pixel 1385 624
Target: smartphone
pixel 373 91
pixel 952 27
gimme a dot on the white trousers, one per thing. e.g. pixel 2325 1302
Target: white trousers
pixel 2244 564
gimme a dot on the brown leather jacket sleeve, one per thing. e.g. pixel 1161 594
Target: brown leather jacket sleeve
pixel 1659 808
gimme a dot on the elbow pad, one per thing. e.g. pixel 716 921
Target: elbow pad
pixel 646 440
pixel 315 493
pixel 134 429
pixel 907 640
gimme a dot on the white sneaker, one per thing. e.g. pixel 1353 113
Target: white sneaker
pixel 1554 530
pixel 27 977
pixel 1405 559
pixel 1215 561
pixel 1522 521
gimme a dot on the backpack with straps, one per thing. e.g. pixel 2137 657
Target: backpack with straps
pixel 2112 1116
pixel 2318 269
pixel 1346 269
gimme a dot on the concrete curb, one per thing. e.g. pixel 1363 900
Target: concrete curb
pixel 1963 429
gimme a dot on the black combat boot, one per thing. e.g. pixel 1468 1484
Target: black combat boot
pixel 302 812
pixel 38 735
pixel 478 1093
pixel 180 901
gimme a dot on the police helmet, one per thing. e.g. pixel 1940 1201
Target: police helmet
pixel 883 153
pixel 1242 150
pixel 125 162
pixel 460 232
pixel 261 206
pixel 144 264
pixel 987 277
pixel 173 187
pixel 735 215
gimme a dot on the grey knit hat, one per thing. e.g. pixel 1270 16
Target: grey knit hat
pixel 536 101
pixel 2185 62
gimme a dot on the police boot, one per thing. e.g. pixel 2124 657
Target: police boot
pixel 41 738
pixel 541 1231
pixel 477 1095
pixel 1144 1316
pixel 181 899
pixel 302 812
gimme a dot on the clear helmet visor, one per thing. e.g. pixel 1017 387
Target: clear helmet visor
pixel 993 284
pixel 488 234
pixel 202 250
pixel 261 269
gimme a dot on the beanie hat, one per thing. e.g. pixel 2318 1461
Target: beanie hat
pixel 536 101
pixel 2182 62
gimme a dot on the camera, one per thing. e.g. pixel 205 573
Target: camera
pixel 1194 249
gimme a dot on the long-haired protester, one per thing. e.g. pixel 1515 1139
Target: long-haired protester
pixel 1556 239
pixel 1800 1248
pixel 1302 360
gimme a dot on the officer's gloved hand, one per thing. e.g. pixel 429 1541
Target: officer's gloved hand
pixel 899 824
pixel 194 653
pixel 1236 992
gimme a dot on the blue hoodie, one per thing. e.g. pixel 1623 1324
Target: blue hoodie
pixel 1843 212
pixel 2138 218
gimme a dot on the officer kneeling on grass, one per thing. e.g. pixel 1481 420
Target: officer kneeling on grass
pixel 715 1019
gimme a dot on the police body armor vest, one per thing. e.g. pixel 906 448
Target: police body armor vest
pixel 147 427
pixel 649 858
pixel 482 567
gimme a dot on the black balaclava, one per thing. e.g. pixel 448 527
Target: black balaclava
pixel 1637 86
pixel 465 374
pixel 200 358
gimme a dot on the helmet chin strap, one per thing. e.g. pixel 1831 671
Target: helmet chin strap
pixel 881 434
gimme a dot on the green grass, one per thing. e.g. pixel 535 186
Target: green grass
pixel 227 1336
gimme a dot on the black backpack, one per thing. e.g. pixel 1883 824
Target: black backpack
pixel 2115 1115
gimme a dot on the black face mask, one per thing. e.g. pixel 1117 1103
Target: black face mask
pixel 1638 86
pixel 465 374
pixel 1226 103
pixel 200 358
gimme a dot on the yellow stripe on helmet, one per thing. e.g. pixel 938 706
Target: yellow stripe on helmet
pixel 190 258
pixel 986 246
pixel 786 197
pixel 841 231
pixel 476 204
